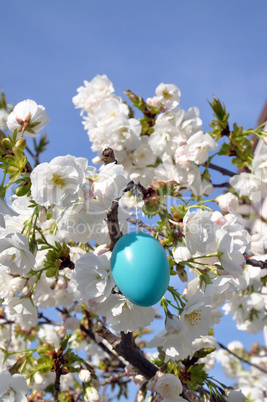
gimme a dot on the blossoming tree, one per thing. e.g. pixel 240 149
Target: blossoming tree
pixel 66 218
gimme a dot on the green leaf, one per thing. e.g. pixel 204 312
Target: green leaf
pixel 52 272
pixel 64 342
pixel 44 364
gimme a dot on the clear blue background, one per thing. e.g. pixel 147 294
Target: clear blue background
pixel 204 47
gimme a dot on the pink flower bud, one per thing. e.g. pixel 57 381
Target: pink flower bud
pixel 218 218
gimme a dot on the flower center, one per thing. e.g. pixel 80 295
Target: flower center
pixel 194 317
pixel 166 94
pixel 58 180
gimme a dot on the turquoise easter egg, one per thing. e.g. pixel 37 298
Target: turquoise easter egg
pixel 140 268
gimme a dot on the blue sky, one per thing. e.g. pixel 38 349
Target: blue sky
pixel 204 47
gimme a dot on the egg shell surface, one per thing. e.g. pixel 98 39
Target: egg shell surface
pixel 140 268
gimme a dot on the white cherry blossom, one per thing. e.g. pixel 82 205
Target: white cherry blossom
pixel 123 315
pixel 23 312
pixel 142 156
pixel 15 253
pixel 82 221
pixel 199 231
pixel 28 118
pixel 13 388
pixel 168 94
pixel 58 182
pixel 169 387
pixel 109 184
pixel 197 147
pixel 250 185
pixel 94 281
pixel 231 259
pixel 109 110
pixel 6 293
pixel 92 93
pixel 196 316
pixel 176 346
pixel 173 324
pixel 181 253
pixel 259 163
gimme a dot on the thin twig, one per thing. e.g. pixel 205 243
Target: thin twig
pixel 57 385
pixel 256 263
pixel 226 184
pixel 116 377
pixel 191 396
pixel 35 157
pixel 220 169
pixel 242 359
pixel 47 320
pixel 144 225
pixel 103 346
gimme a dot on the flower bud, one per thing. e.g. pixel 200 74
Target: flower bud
pixel 65 370
pixel 151 207
pixel 218 218
pixel 173 324
pixel 228 202
pixel 91 395
pixel 62 283
pixel 25 290
pixel 140 396
pixel 84 375
pixel 43 214
pixel 17 284
pixel 155 101
pixel 7 143
pixel 23 189
pixel 21 144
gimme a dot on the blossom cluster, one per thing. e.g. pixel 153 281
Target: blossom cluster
pixel 172 151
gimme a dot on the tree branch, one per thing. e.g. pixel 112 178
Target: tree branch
pixel 220 169
pixel 140 223
pixel 256 263
pixel 35 157
pixel 242 359
pixel 113 224
pixel 191 395
pixel 116 377
pixel 126 347
pixel 108 156
pixel 221 185
pixel 57 385
pixel 103 346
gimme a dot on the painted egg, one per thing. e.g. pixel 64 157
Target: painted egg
pixel 140 268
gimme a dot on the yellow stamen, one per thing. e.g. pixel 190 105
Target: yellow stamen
pixel 194 317
pixel 166 94
pixel 58 181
